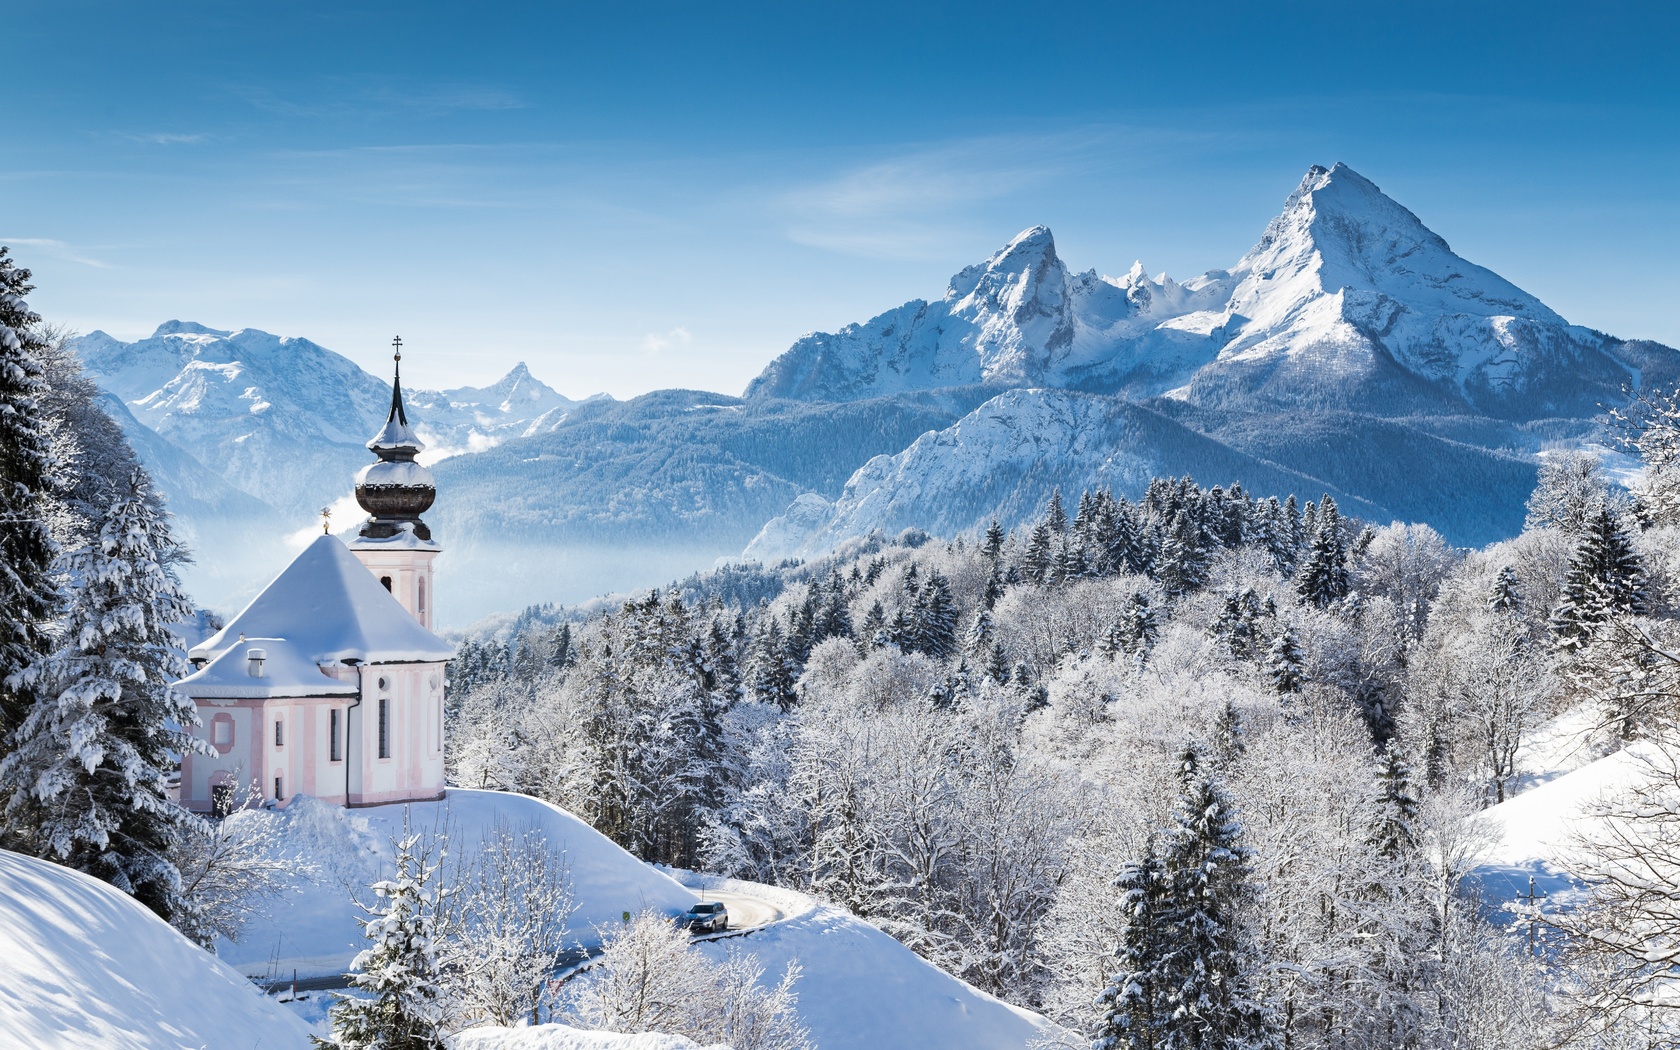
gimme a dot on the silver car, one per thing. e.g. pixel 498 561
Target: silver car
pixel 706 917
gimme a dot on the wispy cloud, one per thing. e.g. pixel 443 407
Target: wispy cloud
pixel 363 97
pixel 56 249
pixel 910 204
pixel 657 343
pixel 165 138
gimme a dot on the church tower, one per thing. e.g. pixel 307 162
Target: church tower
pixel 394 544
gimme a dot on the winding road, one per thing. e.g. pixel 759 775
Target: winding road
pixel 746 914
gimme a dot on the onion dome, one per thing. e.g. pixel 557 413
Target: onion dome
pixel 396 490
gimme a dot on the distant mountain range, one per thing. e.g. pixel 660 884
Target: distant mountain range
pixel 1350 351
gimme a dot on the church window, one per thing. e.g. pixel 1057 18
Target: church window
pixel 221 732
pixel 279 733
pixel 384 727
pixel 422 592
pixel 278 793
pixel 386 580
pixel 335 741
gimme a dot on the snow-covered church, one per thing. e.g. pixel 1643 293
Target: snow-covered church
pixel 330 683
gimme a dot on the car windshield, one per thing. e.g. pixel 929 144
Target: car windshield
pixel 704 909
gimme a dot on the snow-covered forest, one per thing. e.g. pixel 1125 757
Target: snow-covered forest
pixel 1200 770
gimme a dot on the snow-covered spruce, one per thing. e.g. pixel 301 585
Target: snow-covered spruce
pixel 400 969
pixel 85 783
pixel 31 483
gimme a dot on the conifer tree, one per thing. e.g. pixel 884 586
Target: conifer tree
pixel 1135 1011
pixel 1606 579
pixel 1228 745
pixel 1207 873
pixel 994 589
pixel 979 640
pixel 1054 516
pixel 997 664
pixel 1040 557
pixel 993 548
pixel 400 969
pixel 1395 833
pixel 1323 577
pixel 770 676
pixel 1182 565
pixel 30 488
pixel 936 617
pixel 86 784
pixel 1505 596
pixel 1285 661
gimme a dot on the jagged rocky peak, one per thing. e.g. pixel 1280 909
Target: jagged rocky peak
pixel 1028 261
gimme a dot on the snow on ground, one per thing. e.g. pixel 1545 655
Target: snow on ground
pixel 313 928
pixel 84 965
pixel 862 990
pixel 1532 834
pixel 1562 745
pixel 561 1037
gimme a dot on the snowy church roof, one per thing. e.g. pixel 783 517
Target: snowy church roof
pixel 262 667
pixel 328 607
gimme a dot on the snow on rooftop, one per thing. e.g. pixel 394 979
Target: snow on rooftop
pixel 263 667
pixel 396 434
pixel 330 609
pixel 85 965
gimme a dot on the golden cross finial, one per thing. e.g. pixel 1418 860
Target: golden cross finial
pixel 326 521
pixel 397 342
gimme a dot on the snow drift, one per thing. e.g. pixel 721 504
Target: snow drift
pixel 84 965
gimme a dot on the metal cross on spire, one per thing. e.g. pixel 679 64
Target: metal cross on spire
pixel 397 342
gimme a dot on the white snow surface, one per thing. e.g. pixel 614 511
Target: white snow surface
pixel 313 927
pixel 562 1037
pixel 328 606
pixel 862 990
pixel 1533 834
pixel 84 965
pixel 286 671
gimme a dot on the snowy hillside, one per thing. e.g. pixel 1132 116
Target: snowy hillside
pixel 84 965
pixel 313 929
pixel 863 990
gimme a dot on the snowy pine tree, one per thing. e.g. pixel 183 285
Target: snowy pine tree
pixel 1135 1009
pixel 1323 576
pixel 86 782
pixel 1285 661
pixel 400 968
pixel 1204 969
pixel 1505 596
pixel 1395 832
pixel 30 484
pixel 1606 579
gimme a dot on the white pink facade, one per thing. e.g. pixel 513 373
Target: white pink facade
pixel 331 682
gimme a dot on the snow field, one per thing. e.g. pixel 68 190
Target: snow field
pixel 313 929
pixel 861 989
pixel 83 965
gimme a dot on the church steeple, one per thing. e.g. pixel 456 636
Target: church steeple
pixel 396 490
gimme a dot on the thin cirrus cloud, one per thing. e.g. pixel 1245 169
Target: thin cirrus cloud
pixel 912 205
pixel 57 249
pixel 347 97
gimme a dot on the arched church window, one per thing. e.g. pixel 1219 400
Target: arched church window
pixel 386 580
pixel 422 591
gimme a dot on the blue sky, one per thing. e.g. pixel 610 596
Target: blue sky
pixel 632 196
